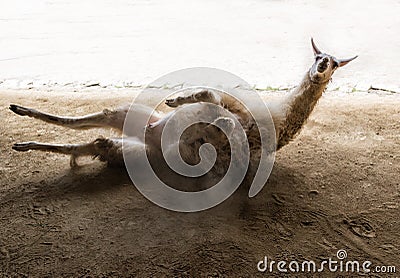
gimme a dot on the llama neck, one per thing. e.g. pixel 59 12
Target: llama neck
pixel 298 107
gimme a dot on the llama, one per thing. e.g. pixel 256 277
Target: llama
pixel 288 115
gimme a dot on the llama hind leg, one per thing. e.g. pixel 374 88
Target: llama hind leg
pixel 109 150
pixel 106 118
pixel 203 96
pixel 75 150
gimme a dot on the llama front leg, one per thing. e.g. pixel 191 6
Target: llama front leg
pixel 109 150
pixel 203 96
pixel 224 100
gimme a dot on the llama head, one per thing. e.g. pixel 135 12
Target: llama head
pixel 325 65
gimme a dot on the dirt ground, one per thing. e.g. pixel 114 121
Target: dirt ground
pixel 335 187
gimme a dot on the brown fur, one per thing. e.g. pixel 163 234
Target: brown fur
pixel 300 103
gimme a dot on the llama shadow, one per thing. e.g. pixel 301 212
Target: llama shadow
pixel 234 227
pixel 96 178
pixel 280 191
pixel 85 180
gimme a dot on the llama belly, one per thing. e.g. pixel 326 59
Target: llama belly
pixel 140 116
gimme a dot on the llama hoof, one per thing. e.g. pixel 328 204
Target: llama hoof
pixel 19 110
pixel 73 163
pixel 171 102
pixel 23 147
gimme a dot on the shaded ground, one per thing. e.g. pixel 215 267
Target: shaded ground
pixel 335 187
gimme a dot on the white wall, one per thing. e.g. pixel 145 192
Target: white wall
pixel 266 42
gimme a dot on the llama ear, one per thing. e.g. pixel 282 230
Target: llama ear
pixel 315 48
pixel 343 62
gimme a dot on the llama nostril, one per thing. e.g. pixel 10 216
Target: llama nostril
pixel 323 65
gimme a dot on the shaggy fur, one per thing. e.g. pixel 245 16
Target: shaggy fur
pixel 296 108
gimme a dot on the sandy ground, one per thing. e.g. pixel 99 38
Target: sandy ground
pixel 335 187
